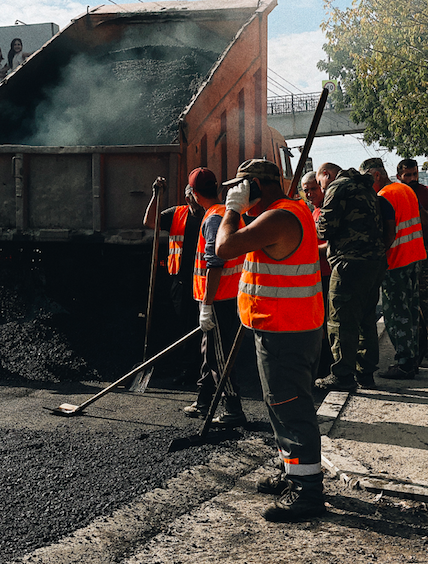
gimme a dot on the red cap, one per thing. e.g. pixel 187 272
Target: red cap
pixel 201 178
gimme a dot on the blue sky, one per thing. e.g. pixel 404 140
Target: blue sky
pixel 295 47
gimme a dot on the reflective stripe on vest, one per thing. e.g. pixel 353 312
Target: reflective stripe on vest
pixel 231 272
pixel 284 296
pixel 408 245
pixel 176 239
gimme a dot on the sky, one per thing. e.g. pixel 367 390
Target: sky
pixel 295 46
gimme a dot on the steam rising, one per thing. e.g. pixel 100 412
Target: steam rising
pixel 129 96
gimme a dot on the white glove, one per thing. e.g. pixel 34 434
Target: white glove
pixel 206 318
pixel 238 198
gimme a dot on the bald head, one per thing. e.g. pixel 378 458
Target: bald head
pixel 326 173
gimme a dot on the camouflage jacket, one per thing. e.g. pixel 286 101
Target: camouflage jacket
pixel 350 219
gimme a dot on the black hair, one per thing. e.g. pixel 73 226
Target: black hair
pixel 11 53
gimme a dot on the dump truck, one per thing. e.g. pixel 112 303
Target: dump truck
pixel 123 94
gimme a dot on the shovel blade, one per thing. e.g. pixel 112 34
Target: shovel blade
pixel 184 442
pixel 141 380
pixel 65 409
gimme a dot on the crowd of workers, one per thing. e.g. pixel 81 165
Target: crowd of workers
pixel 307 285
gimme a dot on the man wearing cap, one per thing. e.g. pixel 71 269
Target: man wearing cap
pixel 350 221
pixel 315 196
pixel 280 299
pixel 400 287
pixel 215 287
pixel 182 224
pixel 408 173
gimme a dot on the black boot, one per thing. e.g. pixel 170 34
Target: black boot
pixel 301 500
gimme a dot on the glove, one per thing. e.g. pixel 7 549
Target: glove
pixel 238 198
pixel 206 318
pixel 159 184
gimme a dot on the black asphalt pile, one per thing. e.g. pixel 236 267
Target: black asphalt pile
pixel 164 79
pixel 70 315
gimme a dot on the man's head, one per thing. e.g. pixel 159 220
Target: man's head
pixel 203 183
pixel 194 207
pixel 407 172
pixel 260 169
pixel 312 189
pixel 376 168
pixel 326 173
pixel 266 178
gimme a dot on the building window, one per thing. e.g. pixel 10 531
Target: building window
pixel 241 104
pixel 258 114
pixel 204 151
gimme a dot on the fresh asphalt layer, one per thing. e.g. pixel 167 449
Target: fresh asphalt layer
pixel 372 439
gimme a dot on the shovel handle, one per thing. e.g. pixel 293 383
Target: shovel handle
pixel 140 367
pixel 308 143
pixel 220 387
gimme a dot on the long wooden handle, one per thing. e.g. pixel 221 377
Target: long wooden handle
pixel 308 143
pixel 137 369
pixel 153 270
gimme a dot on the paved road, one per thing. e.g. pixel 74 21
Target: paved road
pixel 102 488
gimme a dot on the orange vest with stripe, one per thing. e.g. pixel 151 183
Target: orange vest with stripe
pixel 408 245
pixel 284 295
pixel 176 239
pixel 228 286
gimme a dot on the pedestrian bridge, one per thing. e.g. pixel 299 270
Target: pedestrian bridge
pixel 292 116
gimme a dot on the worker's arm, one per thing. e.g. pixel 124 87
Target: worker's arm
pixel 214 271
pixel 331 212
pixel 277 232
pixel 150 213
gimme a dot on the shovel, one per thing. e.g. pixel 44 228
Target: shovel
pixel 67 409
pixel 195 440
pixel 142 378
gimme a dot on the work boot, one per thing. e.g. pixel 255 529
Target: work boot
pixel 341 384
pixel 274 485
pixel 398 372
pixel 366 381
pixel 200 407
pixel 232 416
pixel 300 500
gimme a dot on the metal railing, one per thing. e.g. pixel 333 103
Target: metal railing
pixel 294 103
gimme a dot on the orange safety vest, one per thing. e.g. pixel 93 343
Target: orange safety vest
pixel 284 295
pixel 228 286
pixel 176 239
pixel 408 246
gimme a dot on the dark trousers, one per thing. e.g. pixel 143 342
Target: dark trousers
pixel 400 303
pixel 187 319
pixel 215 348
pixel 287 363
pixel 351 323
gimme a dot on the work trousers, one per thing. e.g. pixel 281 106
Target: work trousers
pixel 400 302
pixel 187 318
pixel 287 363
pixel 215 348
pixel 351 323
pixel 423 304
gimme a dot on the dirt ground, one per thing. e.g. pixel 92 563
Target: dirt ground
pixel 103 488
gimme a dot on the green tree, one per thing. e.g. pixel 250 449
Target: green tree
pixel 378 49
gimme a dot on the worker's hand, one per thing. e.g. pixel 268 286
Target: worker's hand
pixel 238 198
pixel 159 184
pixel 206 317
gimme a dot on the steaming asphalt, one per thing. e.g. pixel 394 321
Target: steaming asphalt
pixel 58 474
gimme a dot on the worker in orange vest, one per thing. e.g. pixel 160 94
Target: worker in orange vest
pixel 400 287
pixel 215 287
pixel 280 299
pixel 182 223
